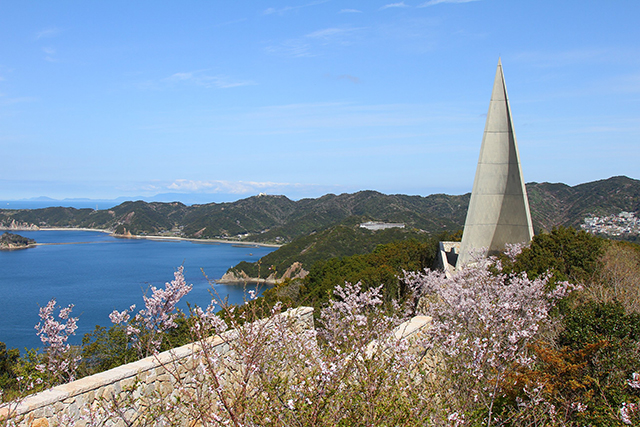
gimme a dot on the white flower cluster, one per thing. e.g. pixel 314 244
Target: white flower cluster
pixel 59 363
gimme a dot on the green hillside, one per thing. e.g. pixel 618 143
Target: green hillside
pixel 277 219
pixel 382 265
pixel 345 239
pixel 268 219
pixel 554 205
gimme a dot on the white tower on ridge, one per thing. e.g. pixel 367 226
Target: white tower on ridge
pixel 499 209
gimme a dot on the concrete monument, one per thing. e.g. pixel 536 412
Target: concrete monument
pixel 499 209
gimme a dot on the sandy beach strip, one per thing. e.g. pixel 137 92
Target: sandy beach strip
pixel 162 238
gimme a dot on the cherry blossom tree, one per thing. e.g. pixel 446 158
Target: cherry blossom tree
pixel 59 364
pixel 483 323
pixel 148 327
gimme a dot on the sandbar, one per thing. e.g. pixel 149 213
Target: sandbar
pixel 165 238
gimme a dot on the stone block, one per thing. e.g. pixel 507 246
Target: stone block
pixel 40 422
pixel 127 383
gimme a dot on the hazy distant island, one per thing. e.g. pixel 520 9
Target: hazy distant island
pixel 10 241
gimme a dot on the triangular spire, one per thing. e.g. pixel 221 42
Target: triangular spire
pixel 499 209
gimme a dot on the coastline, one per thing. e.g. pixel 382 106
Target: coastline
pixel 189 239
pixel 158 238
pixel 270 282
pixel 17 248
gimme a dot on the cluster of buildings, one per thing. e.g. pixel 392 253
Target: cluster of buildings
pixel 613 225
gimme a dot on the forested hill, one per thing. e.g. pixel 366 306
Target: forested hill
pixel 259 218
pixel 553 205
pixel 279 219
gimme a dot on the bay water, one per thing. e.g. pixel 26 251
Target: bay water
pixel 99 273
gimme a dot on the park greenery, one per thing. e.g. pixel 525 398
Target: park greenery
pixel 547 334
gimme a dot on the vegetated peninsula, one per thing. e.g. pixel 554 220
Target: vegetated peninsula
pixel 10 241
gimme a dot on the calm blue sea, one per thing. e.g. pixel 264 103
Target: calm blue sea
pixel 102 273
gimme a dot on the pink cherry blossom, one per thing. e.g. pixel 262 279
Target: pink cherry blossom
pixel 158 316
pixel 60 364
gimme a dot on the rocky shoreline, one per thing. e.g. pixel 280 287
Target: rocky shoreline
pixel 11 242
pixel 19 226
pixel 238 276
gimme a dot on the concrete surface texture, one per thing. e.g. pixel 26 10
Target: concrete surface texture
pixel 499 209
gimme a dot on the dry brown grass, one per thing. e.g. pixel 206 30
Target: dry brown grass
pixel 618 277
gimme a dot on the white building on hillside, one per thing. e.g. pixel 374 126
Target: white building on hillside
pixel 375 226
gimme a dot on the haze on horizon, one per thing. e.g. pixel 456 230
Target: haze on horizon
pixel 303 98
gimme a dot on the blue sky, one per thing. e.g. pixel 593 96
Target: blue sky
pixel 303 98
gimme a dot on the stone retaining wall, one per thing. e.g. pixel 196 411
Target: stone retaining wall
pixel 159 374
pixel 62 405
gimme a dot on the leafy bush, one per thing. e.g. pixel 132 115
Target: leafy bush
pixel 8 375
pixel 586 365
pixel 586 375
pixel 569 254
pixel 381 267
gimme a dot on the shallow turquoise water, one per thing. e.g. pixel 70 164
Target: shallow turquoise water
pixel 102 274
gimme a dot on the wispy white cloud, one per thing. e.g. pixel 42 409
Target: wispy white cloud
pixel 415 34
pixel 181 76
pixel 228 187
pixel 352 79
pixel 283 10
pixel 606 129
pixel 47 33
pixel 627 84
pixel 304 46
pixel 394 5
pixel 209 81
pixel 342 36
pixel 232 22
pixel 295 48
pixel 308 118
pixel 304 106
pixel 435 2
pixel 49 54
pixel 5 100
pixel 329 33
pixel 4 71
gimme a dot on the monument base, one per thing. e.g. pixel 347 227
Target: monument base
pixel 448 257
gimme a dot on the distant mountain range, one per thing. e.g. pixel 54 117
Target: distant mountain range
pixel 84 202
pixel 278 219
